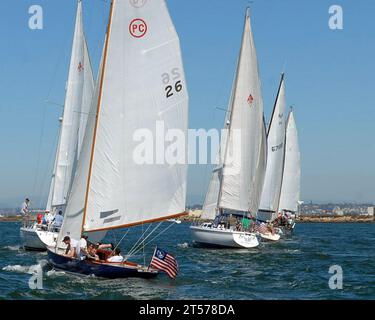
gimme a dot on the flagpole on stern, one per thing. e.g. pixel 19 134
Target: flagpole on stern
pixel 156 247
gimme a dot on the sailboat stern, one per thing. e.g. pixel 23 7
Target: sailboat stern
pixel 204 236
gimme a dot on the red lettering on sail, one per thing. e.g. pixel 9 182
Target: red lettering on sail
pixel 138 28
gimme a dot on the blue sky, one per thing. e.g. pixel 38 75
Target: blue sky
pixel 329 80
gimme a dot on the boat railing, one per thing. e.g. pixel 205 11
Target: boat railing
pixel 27 222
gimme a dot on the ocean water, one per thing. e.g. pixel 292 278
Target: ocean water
pixel 295 268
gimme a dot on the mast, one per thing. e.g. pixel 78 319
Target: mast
pixel 275 104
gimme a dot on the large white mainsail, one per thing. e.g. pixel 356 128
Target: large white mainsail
pixel 269 203
pixel 290 190
pixel 245 158
pixel 78 98
pixel 142 82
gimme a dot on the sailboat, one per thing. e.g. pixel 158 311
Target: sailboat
pixel 269 204
pixel 141 83
pixel 234 191
pixel 79 92
pixel 290 190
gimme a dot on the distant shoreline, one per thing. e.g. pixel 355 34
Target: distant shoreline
pixel 10 219
pixel 303 219
pixel 307 219
pixel 336 219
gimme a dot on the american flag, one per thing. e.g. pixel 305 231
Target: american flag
pixel 261 227
pixel 250 99
pixel 162 260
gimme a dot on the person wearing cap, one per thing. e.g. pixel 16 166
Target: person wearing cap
pixel 73 247
pixel 48 217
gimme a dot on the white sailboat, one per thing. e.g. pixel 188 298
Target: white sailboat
pixel 236 184
pixel 141 83
pixel 269 204
pixel 79 92
pixel 290 190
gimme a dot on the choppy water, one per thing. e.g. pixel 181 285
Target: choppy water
pixel 295 268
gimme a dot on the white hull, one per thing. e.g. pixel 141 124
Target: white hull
pixel 34 239
pixel 214 237
pixel 269 236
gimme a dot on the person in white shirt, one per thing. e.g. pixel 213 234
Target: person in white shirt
pixel 25 207
pixel 25 211
pixel 73 247
pixel 48 217
pixel 83 247
pixel 116 256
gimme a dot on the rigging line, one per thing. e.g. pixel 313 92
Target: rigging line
pixel 114 236
pixel 36 177
pixel 46 172
pixel 102 18
pixel 127 231
pixel 53 77
pixel 139 246
pixel 136 243
pixel 160 233
pixel 144 259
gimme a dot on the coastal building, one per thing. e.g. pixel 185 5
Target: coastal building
pixel 371 211
pixel 337 211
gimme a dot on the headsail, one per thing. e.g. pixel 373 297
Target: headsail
pixel 72 223
pixel 244 155
pixel 87 96
pixel 210 206
pixel 275 163
pixel 78 98
pixel 52 184
pixel 290 191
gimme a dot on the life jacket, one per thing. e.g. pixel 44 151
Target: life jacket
pixel 39 218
